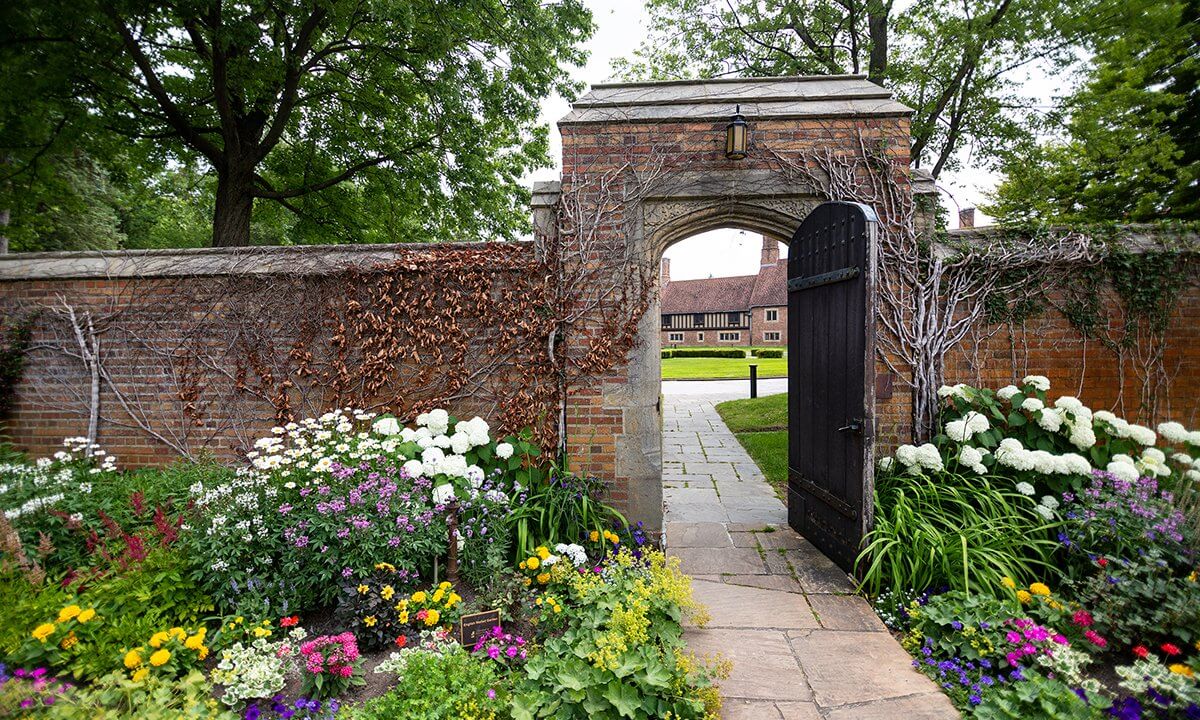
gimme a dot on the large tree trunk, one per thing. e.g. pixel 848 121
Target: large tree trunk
pixel 877 29
pixel 234 207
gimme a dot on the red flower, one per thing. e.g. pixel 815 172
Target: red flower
pixel 290 621
pixel 1170 648
pixel 401 641
pixel 1141 651
pixel 1095 639
pixel 1082 618
pixel 1102 562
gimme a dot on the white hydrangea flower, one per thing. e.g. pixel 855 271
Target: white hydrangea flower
pixel 977 422
pixel 958 431
pixel 1123 471
pixel 929 457
pixel 1012 454
pixel 504 451
pixel 454 466
pixel 1050 501
pixel 432 458
pixel 1193 475
pixel 414 468
pixel 1076 464
pixel 474 474
pixel 886 464
pixel 1142 435
pixel 1082 436
pixel 438 421
pixel 1045 512
pixel 1037 382
pixel 443 494
pixel 1182 458
pixel 957 390
pixel 1050 420
pixel 386 426
pixel 1155 454
pixel 1193 438
pixel 1007 392
pixel 1032 404
pixel 460 442
pixel 1025 488
pixel 906 455
pixel 407 434
pixel 442 441
pixel 971 458
pixel 1173 432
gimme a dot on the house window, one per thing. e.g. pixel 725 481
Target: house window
pixel 698 320
pixel 770 336
pixel 699 337
pixel 735 319
pixel 678 337
pixel 666 319
pixel 729 336
pixel 773 316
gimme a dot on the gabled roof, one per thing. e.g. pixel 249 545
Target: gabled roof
pixel 714 99
pixel 770 286
pixel 726 294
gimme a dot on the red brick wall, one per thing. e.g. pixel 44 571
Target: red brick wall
pixel 760 325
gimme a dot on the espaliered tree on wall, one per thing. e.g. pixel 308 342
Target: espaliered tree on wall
pixel 427 109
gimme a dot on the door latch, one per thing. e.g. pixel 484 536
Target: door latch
pixel 854 426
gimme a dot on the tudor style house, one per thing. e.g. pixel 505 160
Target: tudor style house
pixel 745 310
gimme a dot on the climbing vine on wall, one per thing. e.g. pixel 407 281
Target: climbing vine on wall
pixel 14 343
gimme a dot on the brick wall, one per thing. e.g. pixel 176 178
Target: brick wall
pixel 760 325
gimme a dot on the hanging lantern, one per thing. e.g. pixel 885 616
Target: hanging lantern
pixel 737 135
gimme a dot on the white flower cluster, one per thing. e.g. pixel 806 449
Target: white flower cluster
pixel 958 390
pixel 257 670
pixel 27 488
pixel 1037 382
pixel 966 427
pixel 1178 434
pixel 972 458
pixel 916 459
pixel 575 553
pixel 1152 463
pixel 1140 434
pixel 1013 454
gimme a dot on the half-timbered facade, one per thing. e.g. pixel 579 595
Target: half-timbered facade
pixel 746 310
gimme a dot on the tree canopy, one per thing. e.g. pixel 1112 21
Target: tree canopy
pixel 342 120
pixel 958 64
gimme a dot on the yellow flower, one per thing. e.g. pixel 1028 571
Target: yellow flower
pixel 385 566
pixel 133 659
pixel 403 618
pixel 202 652
pixel 68 612
pixel 43 631
pixel 1024 596
pixel 387 592
pixel 69 641
pixel 86 615
pixel 558 608
pixel 542 553
pixel 369 621
pixel 261 632
pixel 238 620
pixel 432 617
pixel 438 595
pixel 140 675
pixel 595 536
pixel 158 638
pixel 523 565
pixel 1039 589
pixel 363 589
pixel 445 585
pixel 453 600
pixel 538 601
pixel 160 657
pixel 402 605
pixel 1008 582
pixel 543 578
pixel 178 633
pixel 1192 577
pixel 1181 669
pixel 528 582
pixel 533 563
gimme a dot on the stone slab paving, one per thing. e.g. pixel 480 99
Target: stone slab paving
pixel 803 645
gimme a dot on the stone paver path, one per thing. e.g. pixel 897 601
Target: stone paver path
pixel 803 646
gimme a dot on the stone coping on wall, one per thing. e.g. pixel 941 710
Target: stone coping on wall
pixel 188 262
pixel 805 96
pixel 1134 237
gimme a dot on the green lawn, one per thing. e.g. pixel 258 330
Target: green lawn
pixel 760 425
pixel 721 368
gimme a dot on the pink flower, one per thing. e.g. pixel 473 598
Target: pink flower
pixel 1013 637
pixel 1095 639
pixel 345 671
pixel 1082 618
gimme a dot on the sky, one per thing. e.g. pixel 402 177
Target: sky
pixel 620 28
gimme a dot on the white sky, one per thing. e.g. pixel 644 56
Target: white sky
pixel 621 27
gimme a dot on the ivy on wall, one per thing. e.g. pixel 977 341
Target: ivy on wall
pixel 15 335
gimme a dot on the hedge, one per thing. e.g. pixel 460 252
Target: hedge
pixel 709 353
pixel 667 354
pixel 770 353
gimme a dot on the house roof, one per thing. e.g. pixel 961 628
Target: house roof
pixel 760 98
pixel 770 286
pixel 726 294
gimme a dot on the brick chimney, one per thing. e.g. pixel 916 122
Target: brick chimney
pixel 666 271
pixel 770 251
pixel 966 218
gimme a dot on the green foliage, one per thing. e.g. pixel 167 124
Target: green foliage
pixel 622 653
pixel 708 353
pixel 23 605
pixel 965 533
pixel 562 508
pixel 116 697
pixel 668 354
pixel 438 686
pixel 961 624
pixel 767 353
pixel 15 333
pixel 1142 600
pixel 388 121
pixel 1130 150
pixel 1040 697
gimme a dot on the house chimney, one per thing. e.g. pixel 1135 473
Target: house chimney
pixel 770 251
pixel 666 271
pixel 966 218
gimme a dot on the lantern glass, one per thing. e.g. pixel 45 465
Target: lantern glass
pixel 736 136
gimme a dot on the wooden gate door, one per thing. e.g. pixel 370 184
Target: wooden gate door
pixel 831 377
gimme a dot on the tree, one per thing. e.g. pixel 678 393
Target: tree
pixel 955 63
pixel 1126 144
pixel 289 101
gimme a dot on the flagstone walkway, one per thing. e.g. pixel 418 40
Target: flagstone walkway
pixel 803 645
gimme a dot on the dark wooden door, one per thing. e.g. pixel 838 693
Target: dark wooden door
pixel 831 377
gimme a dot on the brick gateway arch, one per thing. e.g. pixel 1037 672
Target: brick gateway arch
pixel 671 137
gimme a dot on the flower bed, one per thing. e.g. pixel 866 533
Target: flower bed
pixel 324 562
pixel 1039 558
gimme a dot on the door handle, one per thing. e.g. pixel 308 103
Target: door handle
pixel 854 426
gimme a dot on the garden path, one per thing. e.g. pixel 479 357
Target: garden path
pixel 803 646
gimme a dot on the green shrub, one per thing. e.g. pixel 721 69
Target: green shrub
pixel 438 687
pixel 954 531
pixel 668 354
pixel 563 508
pixel 766 353
pixel 709 353
pixel 116 697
